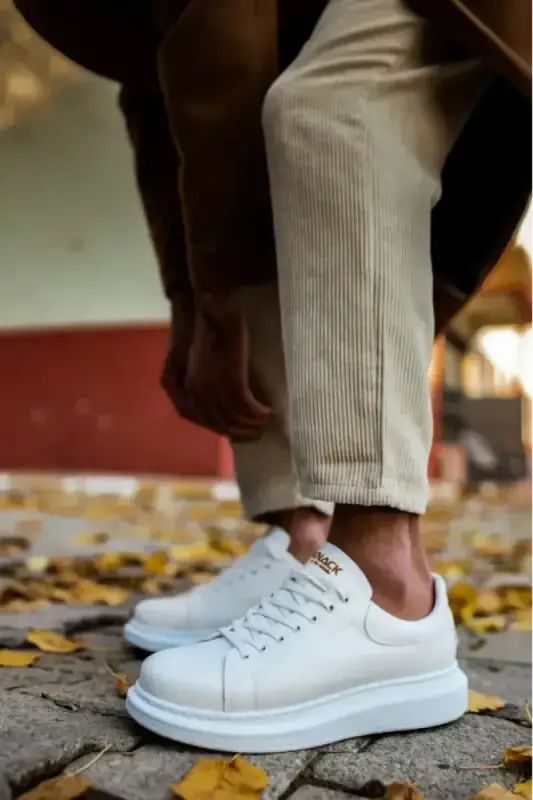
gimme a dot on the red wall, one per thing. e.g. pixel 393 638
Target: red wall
pixel 90 400
pixel 86 400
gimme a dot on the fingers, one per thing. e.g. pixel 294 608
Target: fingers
pixel 241 420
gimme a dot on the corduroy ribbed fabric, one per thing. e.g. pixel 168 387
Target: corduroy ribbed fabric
pixel 265 470
pixel 357 131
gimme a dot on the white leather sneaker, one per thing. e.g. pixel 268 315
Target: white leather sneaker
pixel 197 614
pixel 315 663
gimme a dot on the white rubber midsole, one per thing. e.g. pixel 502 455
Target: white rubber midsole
pixel 398 705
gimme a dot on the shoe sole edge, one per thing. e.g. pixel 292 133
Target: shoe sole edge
pixel 153 640
pixel 424 701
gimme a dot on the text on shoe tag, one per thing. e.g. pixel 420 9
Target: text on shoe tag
pixel 326 564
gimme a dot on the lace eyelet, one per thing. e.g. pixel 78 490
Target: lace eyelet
pixel 314 619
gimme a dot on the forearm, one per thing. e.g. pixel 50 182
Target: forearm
pixel 156 168
pixel 215 66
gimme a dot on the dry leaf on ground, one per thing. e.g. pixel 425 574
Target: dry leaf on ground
pixel 122 681
pixel 14 658
pixel 91 538
pixel 524 789
pixel 518 757
pixel 402 791
pixel 496 622
pixel 494 792
pixel 200 577
pixel 218 779
pixel 65 787
pixel 522 620
pixel 483 702
pixel 50 642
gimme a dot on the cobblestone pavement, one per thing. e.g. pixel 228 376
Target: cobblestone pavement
pixel 57 715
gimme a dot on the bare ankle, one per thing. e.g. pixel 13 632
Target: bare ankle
pixel 308 529
pixel 387 546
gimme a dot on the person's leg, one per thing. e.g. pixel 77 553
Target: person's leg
pixel 357 131
pixel 269 493
pixel 265 471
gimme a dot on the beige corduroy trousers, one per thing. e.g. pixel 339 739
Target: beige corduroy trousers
pixel 357 131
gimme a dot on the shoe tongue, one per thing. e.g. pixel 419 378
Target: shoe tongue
pixel 331 567
pixel 276 543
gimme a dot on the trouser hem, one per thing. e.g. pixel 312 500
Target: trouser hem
pixel 412 499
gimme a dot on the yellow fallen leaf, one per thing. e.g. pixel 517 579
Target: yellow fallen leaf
pixel 193 552
pixel 522 620
pixel 218 779
pixel 497 622
pixel 12 658
pixel 65 787
pixel 37 563
pixel 122 682
pixel 490 547
pixel 50 642
pixel 517 756
pixel 483 702
pixel 87 591
pixel 199 577
pixel 156 564
pixel 108 561
pixel 92 538
pixel 488 603
pixel 494 792
pixel 25 605
pixel 462 595
pixel 515 597
pixel 233 547
pixel 523 789
pixel 402 791
pixel 451 569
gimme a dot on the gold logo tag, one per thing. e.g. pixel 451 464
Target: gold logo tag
pixel 326 564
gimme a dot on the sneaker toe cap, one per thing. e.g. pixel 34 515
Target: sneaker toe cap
pixel 163 612
pixel 191 676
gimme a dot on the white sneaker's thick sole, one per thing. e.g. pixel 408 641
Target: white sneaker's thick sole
pixel 153 639
pixel 386 707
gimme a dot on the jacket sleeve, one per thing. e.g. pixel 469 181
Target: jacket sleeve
pixel 156 168
pixel 97 34
pixel 215 64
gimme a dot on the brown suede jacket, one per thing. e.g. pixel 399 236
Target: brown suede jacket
pixel 194 74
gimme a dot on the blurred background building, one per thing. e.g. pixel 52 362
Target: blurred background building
pixel 82 316
pixel 83 320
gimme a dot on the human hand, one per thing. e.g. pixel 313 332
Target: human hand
pixel 206 373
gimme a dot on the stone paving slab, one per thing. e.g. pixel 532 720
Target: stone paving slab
pixel 38 739
pixel 511 682
pixel 148 773
pixel 309 792
pixel 511 646
pixel 5 791
pixel 63 710
pixel 65 619
pixel 440 762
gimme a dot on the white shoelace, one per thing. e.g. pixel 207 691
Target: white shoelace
pixel 298 595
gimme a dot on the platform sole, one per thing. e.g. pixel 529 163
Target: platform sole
pixel 425 701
